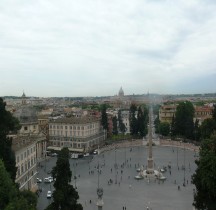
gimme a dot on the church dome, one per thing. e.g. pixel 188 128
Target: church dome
pixel 121 92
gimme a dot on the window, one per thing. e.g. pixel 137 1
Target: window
pixel 65 127
pixel 70 127
pixel 25 128
pixel 50 126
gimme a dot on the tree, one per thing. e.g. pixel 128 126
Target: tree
pixel 207 128
pixel 214 113
pixel 164 128
pixel 133 120
pixel 104 119
pixel 157 125
pixel 115 125
pixel 184 120
pixel 64 196
pixel 197 133
pixel 8 123
pixel 142 119
pixel 122 126
pixel 205 176
pixel 10 197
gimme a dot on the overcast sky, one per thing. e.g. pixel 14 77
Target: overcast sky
pixel 93 47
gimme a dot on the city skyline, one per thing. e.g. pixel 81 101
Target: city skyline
pixel 92 48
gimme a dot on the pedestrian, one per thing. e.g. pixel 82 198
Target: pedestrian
pixel 89 201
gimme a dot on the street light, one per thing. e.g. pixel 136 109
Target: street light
pixel 115 168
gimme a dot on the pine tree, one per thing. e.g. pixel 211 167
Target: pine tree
pixel 65 197
pixel 115 126
pixel 104 119
pixel 133 120
pixel 122 126
pixel 184 119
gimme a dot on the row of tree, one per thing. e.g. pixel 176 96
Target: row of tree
pixel 138 119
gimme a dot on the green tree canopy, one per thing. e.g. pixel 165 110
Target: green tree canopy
pixel 104 119
pixel 115 126
pixel 10 197
pixel 164 128
pixel 207 128
pixel 142 121
pixel 64 196
pixel 7 123
pixel 184 125
pixel 122 126
pixel 205 176
pixel 133 120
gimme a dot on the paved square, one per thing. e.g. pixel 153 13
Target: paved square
pixel 125 190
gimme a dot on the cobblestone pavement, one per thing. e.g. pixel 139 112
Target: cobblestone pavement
pixel 125 190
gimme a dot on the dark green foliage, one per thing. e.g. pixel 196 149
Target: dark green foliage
pixel 10 197
pixel 205 176
pixel 133 120
pixel 122 126
pixel 142 121
pixel 214 113
pixel 164 128
pixel 104 119
pixel 115 125
pixel 173 128
pixel 64 196
pixel 157 125
pixel 207 128
pixel 30 197
pixel 197 131
pixel 184 125
pixel 8 190
pixel 138 124
pixel 7 124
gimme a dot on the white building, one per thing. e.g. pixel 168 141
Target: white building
pixel 78 134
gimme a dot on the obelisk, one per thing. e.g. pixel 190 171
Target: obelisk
pixel 150 166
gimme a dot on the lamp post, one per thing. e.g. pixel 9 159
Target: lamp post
pixel 184 165
pixel 115 168
pixel 75 175
pixel 100 202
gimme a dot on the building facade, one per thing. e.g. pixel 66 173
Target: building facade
pixel 167 112
pixel 26 163
pixel 78 134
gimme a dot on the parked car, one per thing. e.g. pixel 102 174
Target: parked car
pixel 39 180
pixel 54 154
pixel 49 194
pixel 48 179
